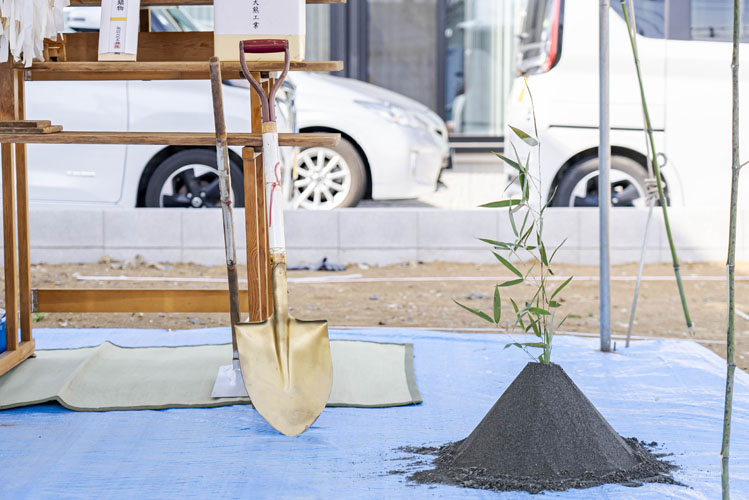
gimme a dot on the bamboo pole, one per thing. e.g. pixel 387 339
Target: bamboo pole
pixel 657 171
pixel 731 262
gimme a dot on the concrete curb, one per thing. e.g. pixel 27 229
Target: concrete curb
pixel 376 236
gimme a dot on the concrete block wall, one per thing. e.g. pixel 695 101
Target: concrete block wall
pixel 377 236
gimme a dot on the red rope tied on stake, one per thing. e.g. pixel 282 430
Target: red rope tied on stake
pixel 273 186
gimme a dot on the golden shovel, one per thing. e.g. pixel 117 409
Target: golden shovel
pixel 285 362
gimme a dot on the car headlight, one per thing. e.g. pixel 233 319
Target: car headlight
pixel 394 114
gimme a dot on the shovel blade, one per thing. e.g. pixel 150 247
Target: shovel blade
pixel 288 382
pixel 229 383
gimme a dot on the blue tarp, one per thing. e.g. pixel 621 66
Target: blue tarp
pixel 667 391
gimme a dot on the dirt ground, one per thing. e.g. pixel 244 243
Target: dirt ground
pixel 427 300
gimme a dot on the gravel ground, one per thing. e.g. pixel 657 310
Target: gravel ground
pixel 429 303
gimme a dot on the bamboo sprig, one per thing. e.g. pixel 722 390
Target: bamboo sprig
pixel 731 261
pixel 537 314
pixel 657 171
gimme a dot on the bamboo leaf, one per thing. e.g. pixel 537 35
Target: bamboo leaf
pixel 478 313
pixel 502 203
pixel 536 330
pixel 497 306
pixel 561 287
pixel 512 222
pixel 524 137
pixel 540 345
pixel 518 314
pixel 551 198
pixel 551 259
pixel 554 303
pixel 525 344
pixel 511 282
pixel 542 249
pixel 508 265
pixel 524 237
pixel 511 163
pixel 525 221
pixel 539 311
pixel 500 244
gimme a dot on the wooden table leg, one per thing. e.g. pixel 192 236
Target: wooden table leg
pixel 9 248
pixel 258 268
pixel 9 111
pixel 263 251
pixel 24 261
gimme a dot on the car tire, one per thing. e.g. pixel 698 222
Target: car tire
pixel 189 179
pixel 579 186
pixel 349 173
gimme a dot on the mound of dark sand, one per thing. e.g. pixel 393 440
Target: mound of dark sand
pixel 543 434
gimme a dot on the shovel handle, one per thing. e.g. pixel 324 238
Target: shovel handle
pixel 265 46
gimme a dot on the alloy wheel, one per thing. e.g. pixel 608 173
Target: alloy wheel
pixel 626 191
pixel 321 180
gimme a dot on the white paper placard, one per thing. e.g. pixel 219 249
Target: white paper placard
pixel 235 20
pixel 118 33
pixel 258 17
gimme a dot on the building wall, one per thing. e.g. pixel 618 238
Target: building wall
pixel 403 47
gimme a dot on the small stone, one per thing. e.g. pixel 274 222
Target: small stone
pixel 375 296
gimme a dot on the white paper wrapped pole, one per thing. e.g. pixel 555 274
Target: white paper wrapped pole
pixel 271 153
pixel 273 192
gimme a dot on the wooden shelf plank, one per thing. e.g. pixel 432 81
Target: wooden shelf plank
pixel 168 139
pixel 121 300
pixel 171 3
pixel 187 70
pixel 10 359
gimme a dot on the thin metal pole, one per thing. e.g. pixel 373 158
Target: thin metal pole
pixel 651 193
pixel 604 186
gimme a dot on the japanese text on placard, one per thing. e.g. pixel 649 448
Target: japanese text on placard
pixel 256 14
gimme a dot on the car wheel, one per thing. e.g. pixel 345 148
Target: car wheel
pixel 579 186
pixel 327 178
pixel 189 179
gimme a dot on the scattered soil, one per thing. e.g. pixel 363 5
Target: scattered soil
pixel 430 305
pixel 543 434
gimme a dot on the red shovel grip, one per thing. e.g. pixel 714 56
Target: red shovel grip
pixel 264 46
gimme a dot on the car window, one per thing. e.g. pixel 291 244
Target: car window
pixel 649 16
pixel 712 20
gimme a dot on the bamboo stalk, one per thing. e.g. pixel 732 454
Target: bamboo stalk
pixel 731 262
pixel 657 172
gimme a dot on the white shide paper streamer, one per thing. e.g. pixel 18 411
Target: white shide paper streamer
pixel 24 24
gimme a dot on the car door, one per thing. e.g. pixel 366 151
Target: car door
pixel 77 173
pixel 698 123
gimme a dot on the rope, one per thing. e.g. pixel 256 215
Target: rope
pixel 276 184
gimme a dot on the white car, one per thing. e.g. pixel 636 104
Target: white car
pixel 392 147
pixel 685 54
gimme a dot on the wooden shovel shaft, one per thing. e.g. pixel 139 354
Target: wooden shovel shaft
pixel 224 177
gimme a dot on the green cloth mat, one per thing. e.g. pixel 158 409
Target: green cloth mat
pixel 110 377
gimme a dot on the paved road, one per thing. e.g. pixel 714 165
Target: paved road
pixel 475 179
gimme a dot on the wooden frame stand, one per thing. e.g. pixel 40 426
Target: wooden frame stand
pixel 161 56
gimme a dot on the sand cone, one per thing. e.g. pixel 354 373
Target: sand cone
pixel 543 425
